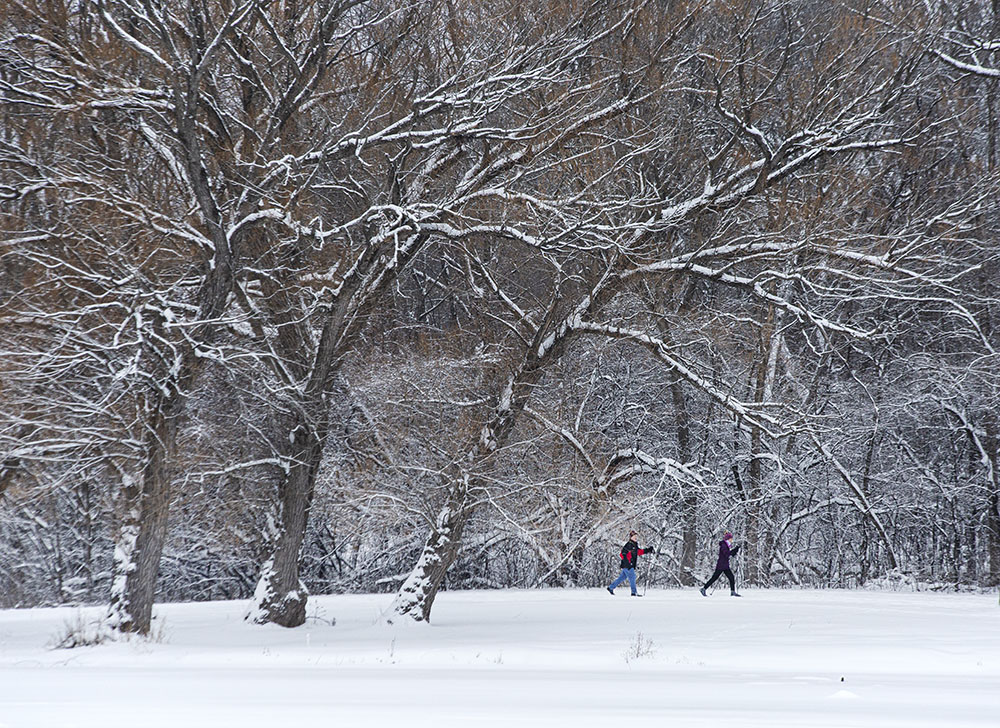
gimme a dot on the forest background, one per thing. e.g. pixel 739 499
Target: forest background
pixel 326 296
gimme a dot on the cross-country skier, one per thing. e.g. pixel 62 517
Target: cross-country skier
pixel 630 556
pixel 722 565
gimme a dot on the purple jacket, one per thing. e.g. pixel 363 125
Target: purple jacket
pixel 723 562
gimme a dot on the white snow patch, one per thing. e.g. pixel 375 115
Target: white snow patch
pixel 844 695
pixel 545 657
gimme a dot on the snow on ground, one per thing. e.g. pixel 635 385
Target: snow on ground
pixel 526 658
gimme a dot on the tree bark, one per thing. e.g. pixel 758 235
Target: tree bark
pixel 689 501
pixel 280 596
pixel 756 558
pixel 415 598
pixel 992 446
pixel 143 529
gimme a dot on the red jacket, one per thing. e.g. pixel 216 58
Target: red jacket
pixel 630 554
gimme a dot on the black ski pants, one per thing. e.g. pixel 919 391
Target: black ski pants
pixel 720 572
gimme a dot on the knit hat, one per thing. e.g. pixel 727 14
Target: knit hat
pixel 728 536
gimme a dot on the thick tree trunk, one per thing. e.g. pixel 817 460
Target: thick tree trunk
pixel 143 529
pixel 415 598
pixel 280 596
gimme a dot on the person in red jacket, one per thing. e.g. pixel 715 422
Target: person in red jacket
pixel 722 565
pixel 630 556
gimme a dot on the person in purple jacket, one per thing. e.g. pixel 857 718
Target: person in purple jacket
pixel 722 565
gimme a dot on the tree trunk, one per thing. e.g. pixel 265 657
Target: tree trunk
pixel 972 553
pixel 756 556
pixel 689 501
pixel 752 541
pixel 689 540
pixel 415 598
pixel 993 577
pixel 992 446
pixel 280 596
pixel 143 528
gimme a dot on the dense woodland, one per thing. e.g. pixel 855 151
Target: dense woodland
pixel 339 295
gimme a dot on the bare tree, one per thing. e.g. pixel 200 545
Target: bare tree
pixel 210 124
pixel 440 161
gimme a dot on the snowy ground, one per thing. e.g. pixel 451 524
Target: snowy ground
pixel 526 658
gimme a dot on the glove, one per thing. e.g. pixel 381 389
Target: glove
pixel 735 550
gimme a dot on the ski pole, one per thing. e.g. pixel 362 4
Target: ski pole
pixel 652 565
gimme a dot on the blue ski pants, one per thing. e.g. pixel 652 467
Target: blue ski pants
pixel 626 574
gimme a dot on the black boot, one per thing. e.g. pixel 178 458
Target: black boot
pixel 611 591
pixel 734 594
pixel 702 590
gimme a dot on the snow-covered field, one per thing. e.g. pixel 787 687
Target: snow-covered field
pixel 526 658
